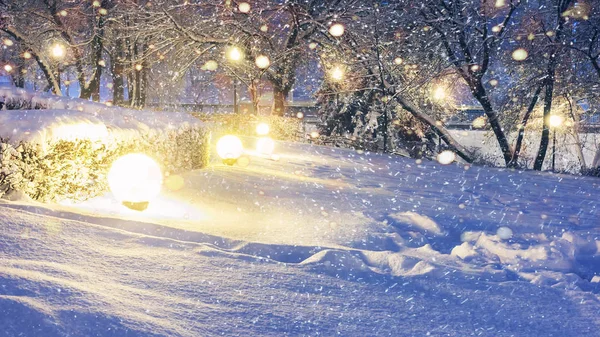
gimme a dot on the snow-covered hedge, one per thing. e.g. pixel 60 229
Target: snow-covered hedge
pixel 77 169
pixel 66 152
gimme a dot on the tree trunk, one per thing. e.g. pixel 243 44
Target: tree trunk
pixel 117 71
pixel 479 92
pixel 515 158
pixel 550 79
pixel 254 95
pixel 279 99
pixel 440 131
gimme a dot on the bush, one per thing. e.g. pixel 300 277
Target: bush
pixel 77 170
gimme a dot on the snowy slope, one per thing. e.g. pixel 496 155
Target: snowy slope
pixel 320 242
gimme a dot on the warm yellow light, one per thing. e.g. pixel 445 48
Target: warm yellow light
pixel 520 54
pixel 398 61
pixel 244 7
pixel 314 134
pixel 312 45
pixel 337 30
pixel 103 11
pixel 63 13
pixel 96 3
pixel 446 157
pixel 139 67
pixel 234 54
pixel 8 42
pixel 8 68
pixel 265 145
pixel 439 94
pixel 337 74
pixel 555 121
pixel 262 129
pixel 135 178
pixel 264 28
pixel 230 148
pixel 58 51
pixel 300 115
pixel 27 55
pixel 102 63
pixel 263 62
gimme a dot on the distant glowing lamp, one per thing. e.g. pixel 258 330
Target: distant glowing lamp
pixel 234 54
pixel 230 149
pixel 263 62
pixel 8 42
pixel 337 74
pixel 262 129
pixel 337 30
pixel 58 51
pixel 555 121
pixel 27 55
pixel 8 68
pixel 439 94
pixel 265 145
pixel 135 179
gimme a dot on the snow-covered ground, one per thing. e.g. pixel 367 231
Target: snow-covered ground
pixel 321 241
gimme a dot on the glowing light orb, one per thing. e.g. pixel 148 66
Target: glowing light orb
pixel 8 42
pixel 139 67
pixel 263 62
pixel 8 68
pixel 135 178
pixel 27 55
pixel 244 7
pixel 102 63
pixel 500 3
pixel 96 3
pixel 264 28
pixel 493 83
pixel 398 61
pixel 58 51
pixel 234 54
pixel 439 94
pixel 211 65
pixel 337 74
pixel 555 121
pixel 63 13
pixel 497 28
pixel 230 148
pixel 262 129
pixel 300 115
pixel 312 45
pixel 446 157
pixel 314 134
pixel 520 54
pixel 337 30
pixel 504 233
pixel 103 11
pixel 265 145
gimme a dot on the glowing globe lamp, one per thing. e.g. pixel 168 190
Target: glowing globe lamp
pixel 262 129
pixel 230 148
pixel 135 179
pixel 265 145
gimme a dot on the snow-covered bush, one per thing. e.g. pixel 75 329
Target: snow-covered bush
pixel 77 170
